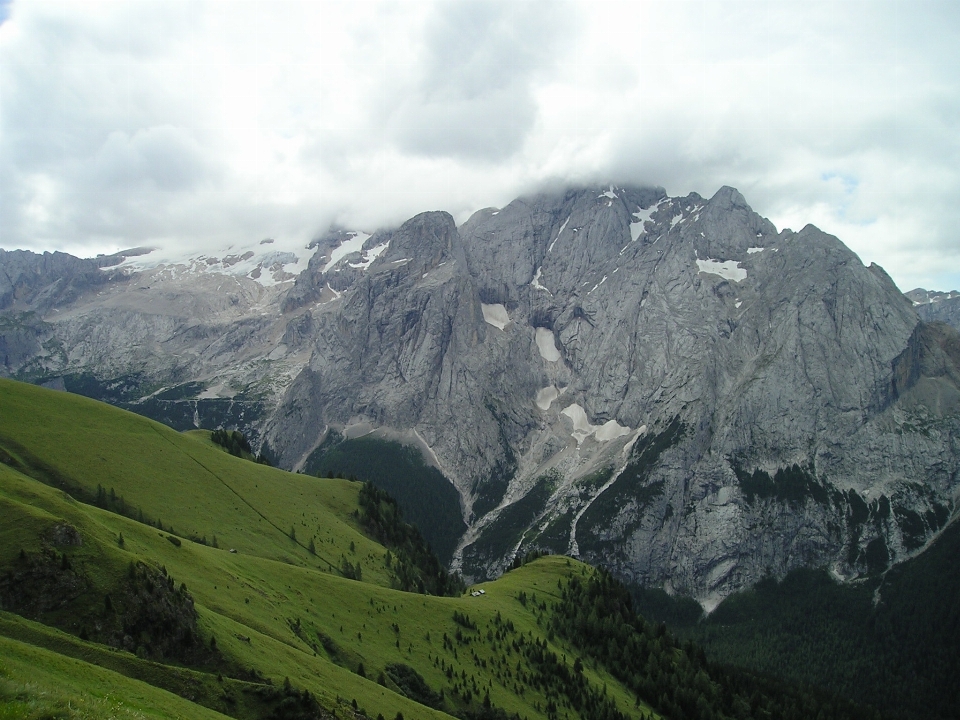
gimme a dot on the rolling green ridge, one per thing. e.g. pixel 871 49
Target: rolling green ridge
pixel 273 610
pixel 151 573
pixel 36 683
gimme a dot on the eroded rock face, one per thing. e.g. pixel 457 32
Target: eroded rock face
pixel 934 306
pixel 668 386
pixel 42 281
pixel 187 348
pixel 406 347
pixel 773 351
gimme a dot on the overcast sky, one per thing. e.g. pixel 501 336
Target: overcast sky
pixel 203 123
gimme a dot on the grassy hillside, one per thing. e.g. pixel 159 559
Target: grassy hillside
pixel 182 481
pixel 273 609
pixel 129 549
pixel 36 684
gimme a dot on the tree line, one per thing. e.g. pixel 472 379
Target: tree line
pixel 413 565
pixel 596 616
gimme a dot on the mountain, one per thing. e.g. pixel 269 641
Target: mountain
pixel 150 573
pixel 933 306
pixel 667 386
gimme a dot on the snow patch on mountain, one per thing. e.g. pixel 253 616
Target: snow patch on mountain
pixel 546 396
pixel 269 266
pixel 370 255
pixel 547 345
pixel 582 428
pixel 728 269
pixel 562 227
pixel 642 216
pixel 536 280
pixel 597 285
pixel 353 245
pixel 495 314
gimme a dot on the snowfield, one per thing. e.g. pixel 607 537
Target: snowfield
pixel 728 269
pixel 495 314
pixel 547 345
pixel 582 429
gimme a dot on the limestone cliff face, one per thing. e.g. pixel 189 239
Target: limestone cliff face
pixel 934 306
pixel 42 281
pixel 668 386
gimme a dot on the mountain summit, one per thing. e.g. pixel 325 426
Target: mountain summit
pixel 667 386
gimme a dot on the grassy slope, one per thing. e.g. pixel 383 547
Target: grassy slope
pixel 183 480
pixel 266 603
pixel 37 683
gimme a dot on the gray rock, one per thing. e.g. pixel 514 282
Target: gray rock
pixel 668 386
pixel 29 280
pixel 933 306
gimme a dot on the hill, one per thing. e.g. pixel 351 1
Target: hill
pixel 272 609
pixel 134 605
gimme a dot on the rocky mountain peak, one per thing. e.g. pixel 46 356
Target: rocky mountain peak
pixel 32 280
pixel 728 198
pixel 427 239
pixel 664 385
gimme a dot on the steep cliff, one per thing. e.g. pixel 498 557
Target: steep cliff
pixel 667 386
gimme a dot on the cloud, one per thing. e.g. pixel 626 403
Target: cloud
pixel 186 124
pixel 783 99
pixel 471 95
pixel 165 158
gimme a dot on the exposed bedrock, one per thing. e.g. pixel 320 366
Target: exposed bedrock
pixel 667 386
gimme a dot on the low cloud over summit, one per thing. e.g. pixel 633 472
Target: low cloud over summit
pixel 176 123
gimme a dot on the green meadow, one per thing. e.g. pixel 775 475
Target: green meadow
pixel 95 501
pixel 150 573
